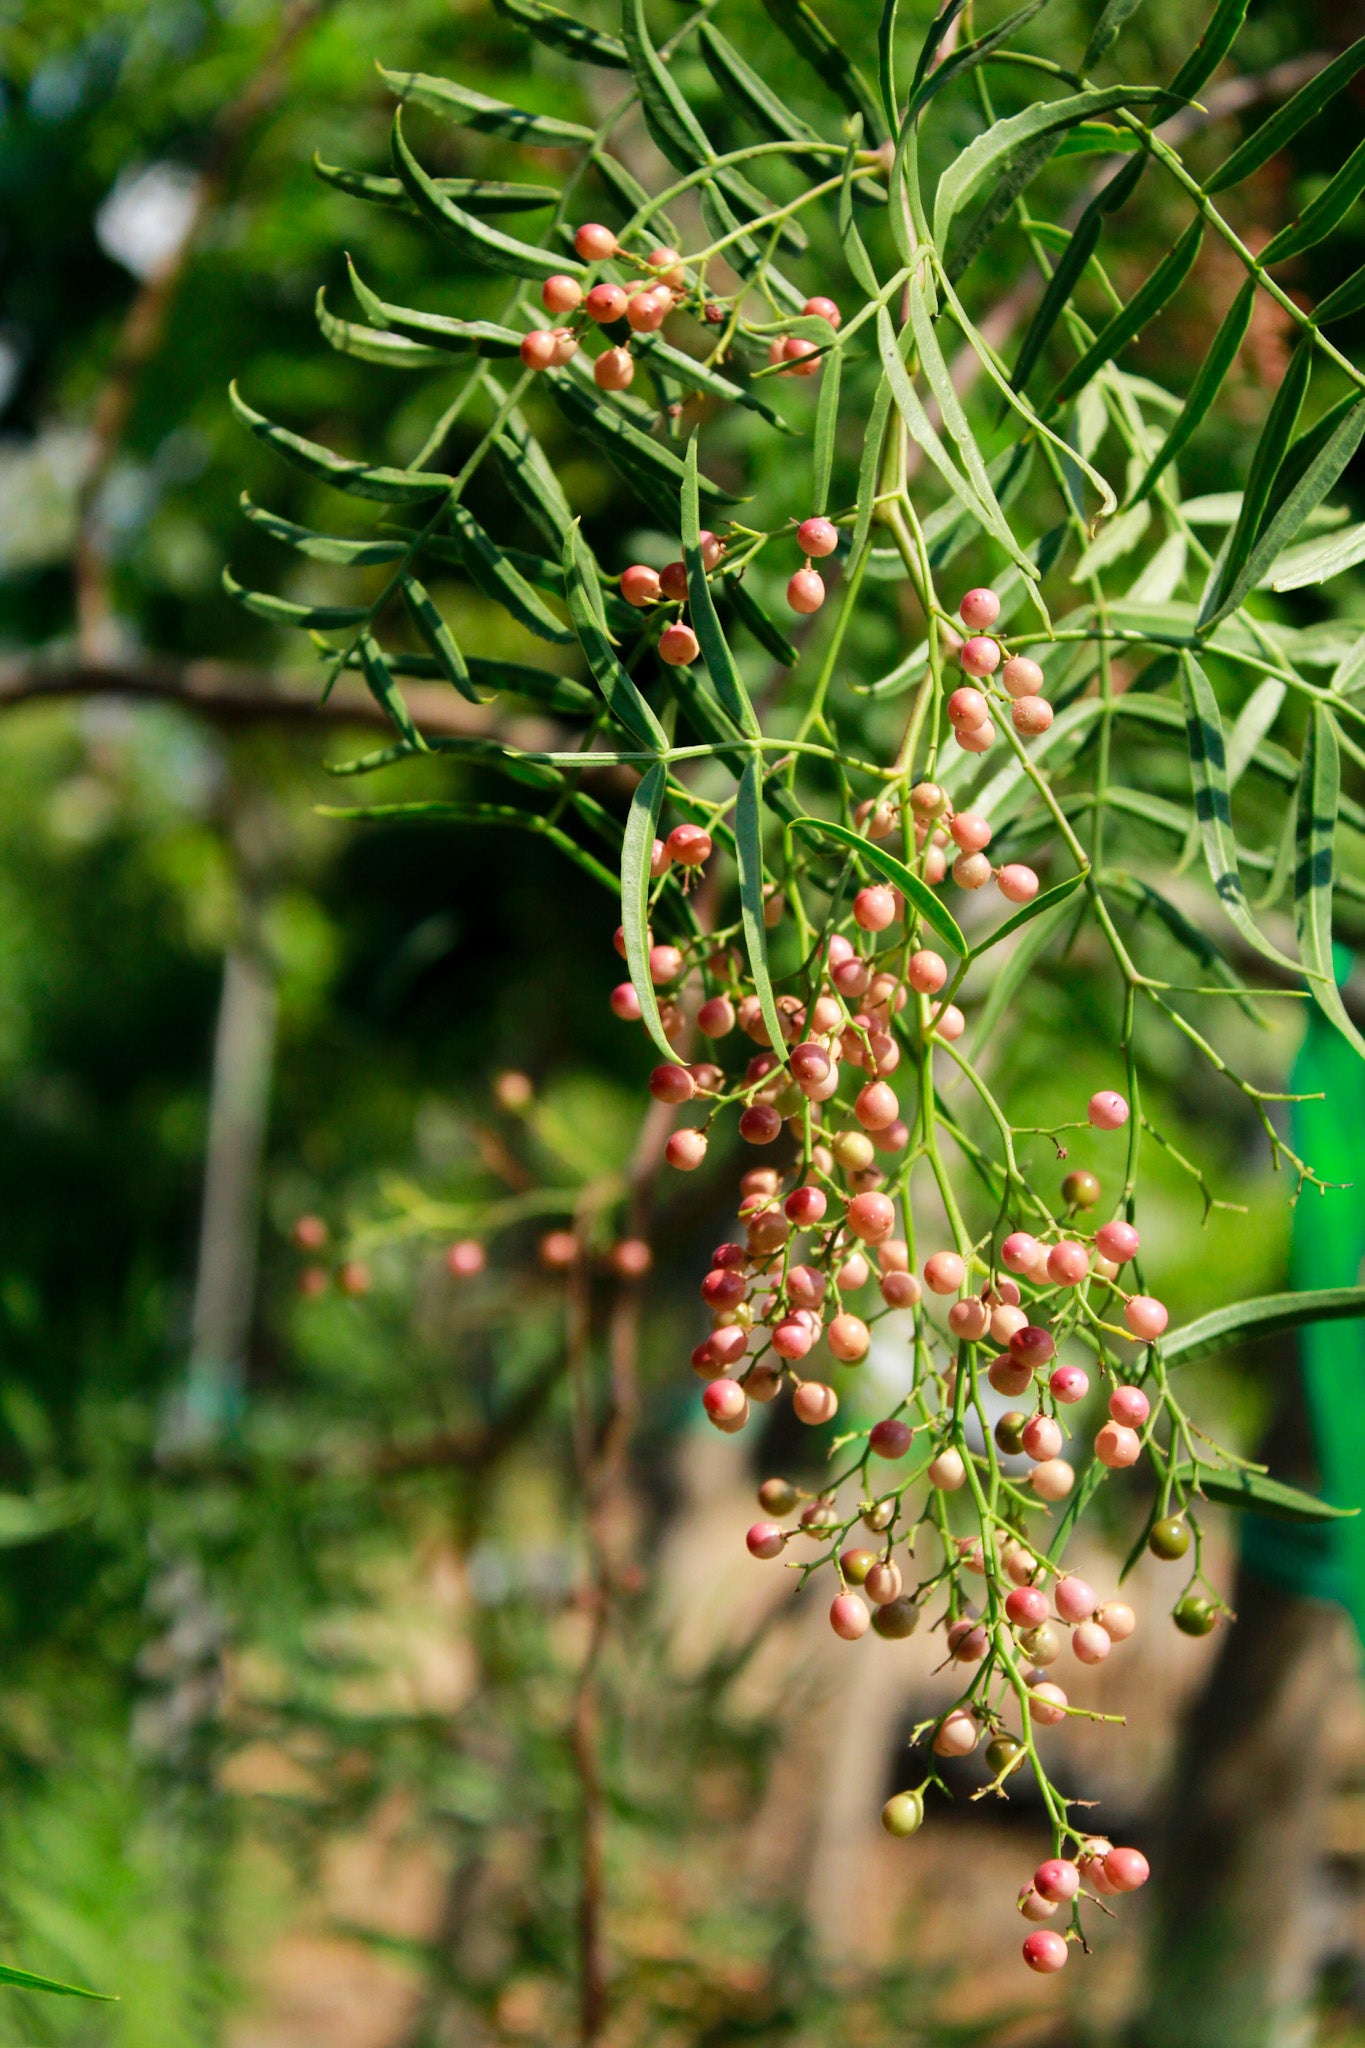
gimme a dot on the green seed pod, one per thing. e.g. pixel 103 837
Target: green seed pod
pixel 1169 1538
pixel 903 1814
pixel 897 1619
pixel 1195 1617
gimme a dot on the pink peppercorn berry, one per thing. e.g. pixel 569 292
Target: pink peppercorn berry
pixel 1069 1385
pixel 1146 1317
pixel 1117 1241
pixel 979 609
pixel 817 536
pixel 890 1438
pixel 765 1540
pixel 1045 1951
pixel 823 309
pixel 979 656
pixel 1107 1111
pixel 806 591
pixel 595 243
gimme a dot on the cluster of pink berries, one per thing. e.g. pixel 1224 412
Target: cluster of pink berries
pixel 979 657
pixel 1059 1882
pixel 643 305
pixel 644 588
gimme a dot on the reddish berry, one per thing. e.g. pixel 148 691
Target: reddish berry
pixel 625 1003
pixel 614 369
pixel 805 1206
pixel 1032 1346
pixel 1146 1317
pixel 876 1106
pixel 566 347
pixel 967 707
pixel 710 549
pixel 310 1234
pixel 312 1282
pixel 671 1083
pixel 979 609
pixel 848 1617
pixel 465 1258
pixel 944 1272
pixel 354 1278
pixel 1117 1619
pixel 765 1540
pixel 798 352
pixel 1042 1439
pixel 605 303
pixel 926 972
pixel 1030 716
pixel 1022 1253
pixel 969 1318
pixel 561 294
pixel 823 309
pixel 723 1287
pixel 1127 1869
pixel 874 908
pixel 594 242
pixel 1022 676
pixel 971 870
pixel 1026 1606
pixel 673 581
pixel 883 1582
pixel 631 1259
pixel 1017 883
pixel 806 591
pixel 689 845
pixel 1107 1110
pixel 1047 1703
pixel 899 1290
pixel 1034 1908
pixel 678 645
pixel 1057 1880
pixel 814 1403
pixel 817 537
pixel 968 1641
pixel 647 311
pixel 854 1273
pixel 792 1338
pixel 1090 1643
pixel 805 1286
pixel 979 656
pixel 958 1734
pixel 538 349
pixel 640 585
pixel 726 1405
pixel 559 1250
pixel 1076 1600
pixel 809 1061
pixel 1116 1446
pixel 760 1124
pixel 1117 1241
pixel 1130 1406
pixel 890 1438
pixel 669 262
pixel 1069 1385
pixel 976 739
pixel 1045 1951
pixel 1068 1263
pixel 1008 1376
pixel 686 1150
pixel 970 830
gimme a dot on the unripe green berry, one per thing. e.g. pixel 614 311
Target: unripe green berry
pixel 1003 1753
pixel 903 1814
pixel 1169 1538
pixel 1081 1189
pixel 1009 1432
pixel 897 1619
pixel 1195 1617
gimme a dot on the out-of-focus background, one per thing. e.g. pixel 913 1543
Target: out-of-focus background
pixel 295 1590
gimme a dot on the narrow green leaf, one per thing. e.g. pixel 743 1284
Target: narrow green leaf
pixel 954 418
pixel 669 119
pixel 1207 384
pixel 1258 1493
pixel 542 686
pixel 626 188
pixel 826 428
pixel 741 86
pixel 764 628
pixel 622 697
pixel 1318 561
pixel 1283 126
pixel 933 42
pixel 969 56
pixel 913 887
pixel 438 636
pixel 632 453
pixel 479 814
pixel 385 690
pixel 1091 138
pixel 532 480
pixel 1347 298
pixel 1107 31
pixel 1070 269
pixel 476 195
pixel 1013 975
pixel 749 853
pixel 1288 512
pixel 1268 1316
pixel 654 351
pixel 810 38
pixel 1266 460
pixel 1051 899
pixel 1020 169
pixel 1322 214
pixel 714 646
pixel 1254 721
pixel 437 330
pixel 466 231
pixel 494 575
pixel 372 344
pixel 560 32
pixel 306 617
pixel 1209 52
pixel 908 404
pixel 870 466
pixel 27 1981
pixel 1315 828
pixel 988 154
pixel 637 851
pixel 1147 301
pixel 322 547
pixel 1145 898
pixel 855 252
pixel 357 479
pixel 1209 783
pixel 470 109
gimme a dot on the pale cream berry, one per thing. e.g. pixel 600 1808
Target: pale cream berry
pixel 1022 676
pixel 948 1472
pixel 1053 1479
